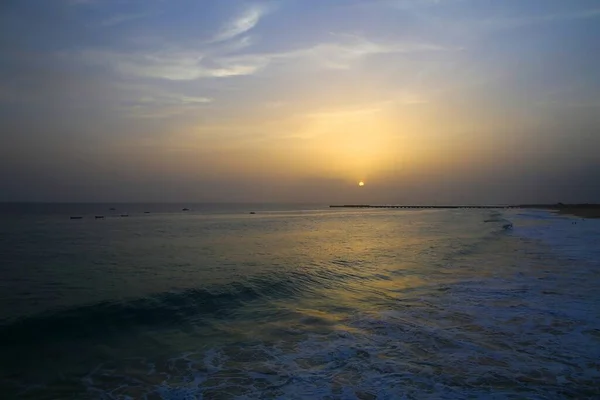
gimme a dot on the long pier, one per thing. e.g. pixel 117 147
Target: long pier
pixel 557 206
pixel 419 206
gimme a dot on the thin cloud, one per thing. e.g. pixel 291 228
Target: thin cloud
pixel 344 53
pixel 341 55
pixel 153 104
pixel 167 111
pixel 186 65
pixel 175 66
pixel 171 99
pixel 242 24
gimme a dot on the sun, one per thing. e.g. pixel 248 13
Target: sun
pixel 361 183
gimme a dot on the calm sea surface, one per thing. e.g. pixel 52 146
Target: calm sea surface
pixel 296 302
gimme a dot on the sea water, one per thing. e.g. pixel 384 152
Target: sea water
pixel 296 302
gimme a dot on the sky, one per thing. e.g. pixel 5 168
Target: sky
pixel 426 101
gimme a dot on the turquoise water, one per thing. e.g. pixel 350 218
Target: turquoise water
pixel 297 302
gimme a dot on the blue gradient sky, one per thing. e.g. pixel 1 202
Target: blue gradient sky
pixel 435 101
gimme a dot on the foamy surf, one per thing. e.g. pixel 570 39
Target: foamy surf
pixel 574 237
pixel 477 339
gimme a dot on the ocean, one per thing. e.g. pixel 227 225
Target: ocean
pixel 296 302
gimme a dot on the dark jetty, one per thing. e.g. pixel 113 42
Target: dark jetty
pixel 585 210
pixel 414 206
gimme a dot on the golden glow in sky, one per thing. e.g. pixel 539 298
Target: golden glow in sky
pixel 211 101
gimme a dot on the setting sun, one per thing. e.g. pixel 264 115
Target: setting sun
pixel 361 183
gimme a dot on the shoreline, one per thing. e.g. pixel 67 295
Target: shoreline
pixel 578 212
pixel 581 212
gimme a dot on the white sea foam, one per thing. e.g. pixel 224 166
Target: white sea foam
pixel 576 238
pixel 534 336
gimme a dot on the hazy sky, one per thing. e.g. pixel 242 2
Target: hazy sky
pixel 434 101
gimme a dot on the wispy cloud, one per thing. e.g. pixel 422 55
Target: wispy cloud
pixel 150 103
pixel 171 99
pixel 172 65
pixel 184 65
pixel 341 54
pixel 245 22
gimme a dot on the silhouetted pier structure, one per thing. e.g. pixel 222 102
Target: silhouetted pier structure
pixel 557 206
pixel 419 206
